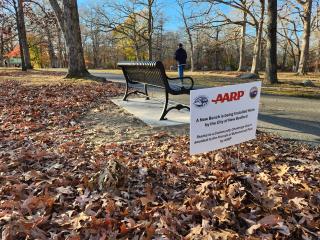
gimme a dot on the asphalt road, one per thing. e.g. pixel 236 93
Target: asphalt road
pixel 290 117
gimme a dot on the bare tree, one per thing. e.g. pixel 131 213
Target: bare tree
pixel 243 7
pixel 289 30
pixel 194 21
pixel 306 18
pixel 16 7
pixel 295 23
pixel 149 4
pixel 92 31
pixel 7 35
pixel 45 23
pixel 133 20
pixel 247 7
pixel 187 27
pixel 22 29
pixel 242 42
pixel 68 18
pixel 317 68
pixel 271 50
pixel 257 45
pixel 159 37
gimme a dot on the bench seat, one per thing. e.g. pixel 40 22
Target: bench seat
pixel 153 73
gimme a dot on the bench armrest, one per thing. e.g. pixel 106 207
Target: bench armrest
pixel 190 81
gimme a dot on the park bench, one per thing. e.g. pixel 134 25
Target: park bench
pixel 153 73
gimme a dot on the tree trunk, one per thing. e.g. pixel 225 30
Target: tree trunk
pixel 23 35
pixel 95 49
pixel 1 47
pixel 23 64
pixel 307 6
pixel 72 36
pixel 188 31
pixel 292 53
pixel 257 45
pixel 191 56
pixel 242 43
pixel 161 41
pixel 198 54
pixel 271 49
pixel 40 56
pixel 256 50
pixel 95 59
pixel 317 69
pixel 191 49
pixel 261 53
pixel 297 61
pixel 284 56
pixel 136 47
pixel 150 28
pixel 60 49
pixel 68 19
pixel 52 55
pixel 217 49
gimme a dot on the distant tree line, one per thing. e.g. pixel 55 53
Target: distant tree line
pixel 218 34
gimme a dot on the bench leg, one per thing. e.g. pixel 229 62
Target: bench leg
pixel 178 107
pixel 164 111
pixel 146 92
pixel 126 94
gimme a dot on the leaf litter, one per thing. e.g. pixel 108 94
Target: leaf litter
pixel 56 183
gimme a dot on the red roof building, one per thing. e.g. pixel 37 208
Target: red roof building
pixel 14 58
pixel 15 53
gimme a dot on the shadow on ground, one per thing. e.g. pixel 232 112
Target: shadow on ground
pixel 292 125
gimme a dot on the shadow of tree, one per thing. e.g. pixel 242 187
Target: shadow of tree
pixel 295 125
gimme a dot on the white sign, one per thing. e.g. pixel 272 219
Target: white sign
pixel 223 116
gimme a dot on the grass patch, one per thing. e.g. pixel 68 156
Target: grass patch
pixel 39 77
pixel 289 83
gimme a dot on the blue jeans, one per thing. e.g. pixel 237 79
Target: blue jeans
pixel 180 71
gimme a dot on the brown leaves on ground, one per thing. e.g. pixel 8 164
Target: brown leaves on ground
pixel 56 184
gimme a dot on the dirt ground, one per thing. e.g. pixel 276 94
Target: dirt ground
pixel 109 123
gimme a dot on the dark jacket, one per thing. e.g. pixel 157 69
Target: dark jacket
pixel 181 56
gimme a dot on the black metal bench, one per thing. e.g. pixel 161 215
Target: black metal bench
pixel 153 73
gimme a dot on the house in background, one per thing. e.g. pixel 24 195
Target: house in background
pixel 13 58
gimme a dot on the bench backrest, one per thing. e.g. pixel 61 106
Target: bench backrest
pixel 149 72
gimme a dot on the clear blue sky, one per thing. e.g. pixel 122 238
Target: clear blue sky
pixel 169 8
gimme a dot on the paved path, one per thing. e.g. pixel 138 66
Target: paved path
pixel 289 117
pixel 294 118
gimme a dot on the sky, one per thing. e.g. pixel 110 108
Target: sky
pixel 173 22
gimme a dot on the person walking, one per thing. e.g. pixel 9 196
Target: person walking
pixel 181 57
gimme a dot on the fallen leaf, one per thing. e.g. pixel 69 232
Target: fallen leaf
pixel 253 228
pixel 270 220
